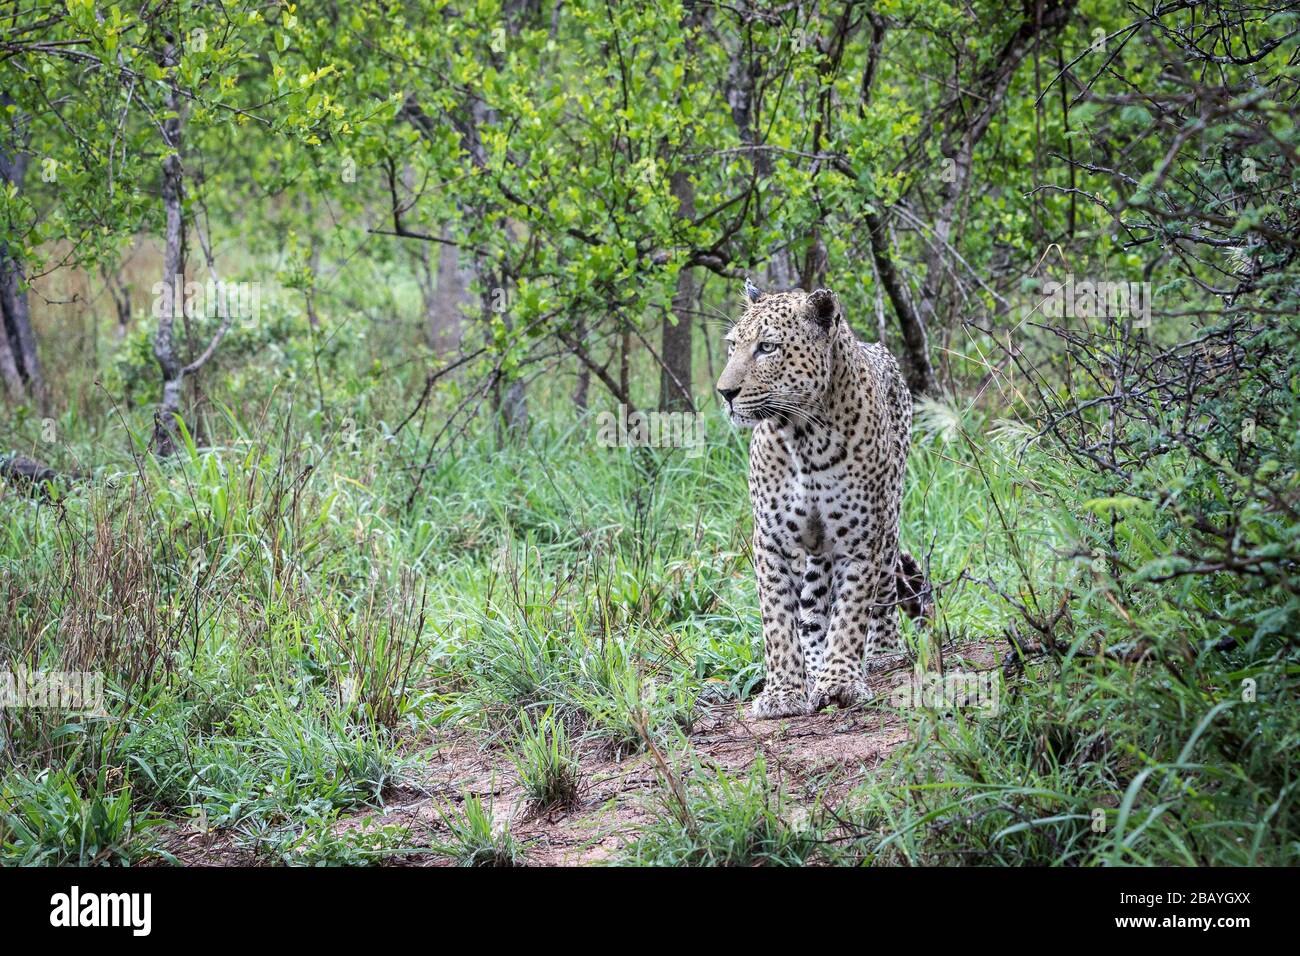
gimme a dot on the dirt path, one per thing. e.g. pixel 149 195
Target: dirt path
pixel 821 756
pixel 618 795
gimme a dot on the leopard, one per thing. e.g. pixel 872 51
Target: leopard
pixel 831 421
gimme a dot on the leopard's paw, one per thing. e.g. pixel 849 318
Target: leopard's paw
pixel 779 702
pixel 840 691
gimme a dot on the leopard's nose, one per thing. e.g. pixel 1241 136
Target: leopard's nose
pixel 728 393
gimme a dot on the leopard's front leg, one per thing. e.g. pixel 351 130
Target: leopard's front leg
pixel 814 612
pixel 785 692
pixel 841 681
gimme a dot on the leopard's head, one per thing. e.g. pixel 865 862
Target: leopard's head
pixel 779 355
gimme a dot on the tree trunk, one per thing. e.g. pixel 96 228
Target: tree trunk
pixel 744 69
pixel 509 396
pixel 164 343
pixel 19 366
pixel 676 334
pixel 120 293
pixel 514 407
pixel 582 388
pixel 445 298
pixel 13 381
pixel 625 359
pixel 675 348
pixel 918 371
pixel 446 310
pixel 313 266
pixel 815 263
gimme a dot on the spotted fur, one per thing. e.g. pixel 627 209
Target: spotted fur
pixel 832 423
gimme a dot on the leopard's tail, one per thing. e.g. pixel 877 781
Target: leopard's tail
pixel 915 596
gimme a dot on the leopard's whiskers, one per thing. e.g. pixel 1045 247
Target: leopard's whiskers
pixel 792 410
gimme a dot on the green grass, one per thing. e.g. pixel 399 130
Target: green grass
pixel 548 768
pixel 474 838
pixel 723 820
pixel 51 819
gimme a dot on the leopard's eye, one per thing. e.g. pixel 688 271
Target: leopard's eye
pixel 731 346
pixel 764 348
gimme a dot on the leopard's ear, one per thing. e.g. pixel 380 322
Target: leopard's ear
pixel 825 308
pixel 752 292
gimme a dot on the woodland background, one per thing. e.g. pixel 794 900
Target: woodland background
pixel 362 583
